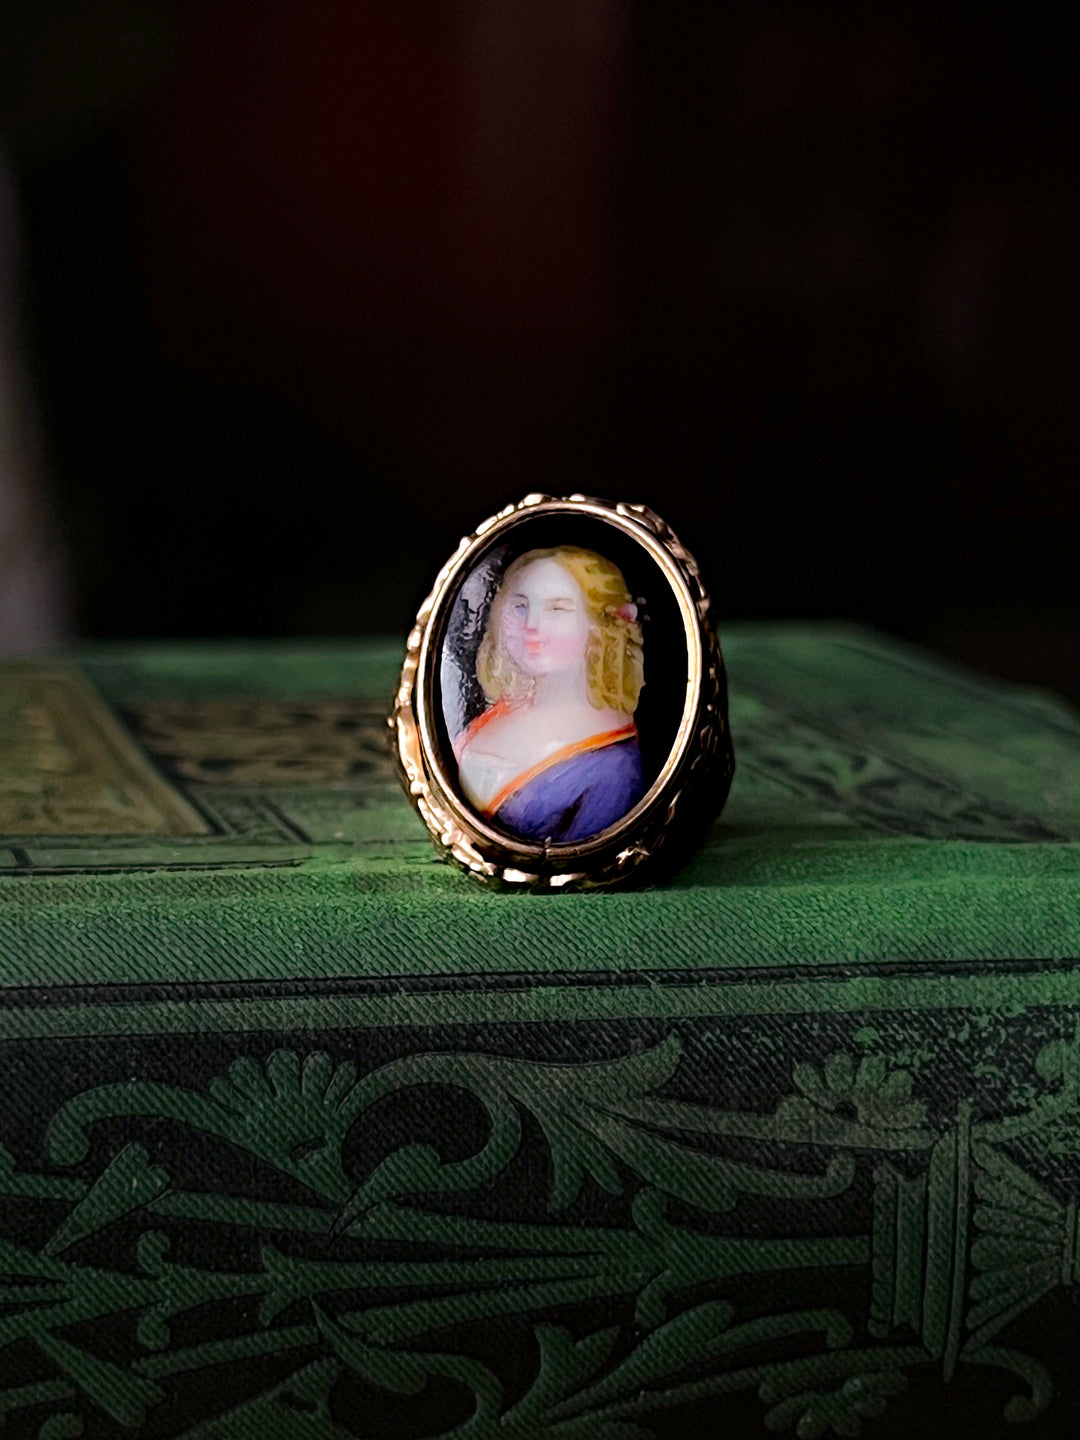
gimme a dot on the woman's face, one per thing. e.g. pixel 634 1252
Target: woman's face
pixel 545 625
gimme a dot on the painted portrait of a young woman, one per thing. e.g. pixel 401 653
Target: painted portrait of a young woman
pixel 553 754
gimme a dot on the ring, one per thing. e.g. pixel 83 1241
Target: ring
pixel 561 717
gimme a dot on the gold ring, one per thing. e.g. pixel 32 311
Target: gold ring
pixel 561 717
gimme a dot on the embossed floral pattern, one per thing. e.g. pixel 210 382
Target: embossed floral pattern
pixel 876 1095
pixel 381 1275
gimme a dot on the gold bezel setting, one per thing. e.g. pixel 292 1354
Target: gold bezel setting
pixel 692 783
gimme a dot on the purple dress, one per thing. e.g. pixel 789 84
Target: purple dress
pixel 574 798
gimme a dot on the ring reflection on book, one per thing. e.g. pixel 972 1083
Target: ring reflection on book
pixel 555 755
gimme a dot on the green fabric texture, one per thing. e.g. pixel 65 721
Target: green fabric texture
pixel 306 1136
pixel 885 807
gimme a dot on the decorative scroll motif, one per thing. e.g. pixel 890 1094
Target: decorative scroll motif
pixel 328 742
pixel 68 768
pixel 859 777
pixel 370 1286
pixel 245 765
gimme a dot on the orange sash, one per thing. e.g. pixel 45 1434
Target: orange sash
pixel 577 747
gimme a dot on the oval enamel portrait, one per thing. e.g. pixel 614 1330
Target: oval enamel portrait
pixel 561 689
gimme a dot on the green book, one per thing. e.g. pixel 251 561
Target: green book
pixel 304 1134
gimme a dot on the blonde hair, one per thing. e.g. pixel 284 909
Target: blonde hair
pixel 614 669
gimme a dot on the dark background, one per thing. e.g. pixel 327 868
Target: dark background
pixel 312 286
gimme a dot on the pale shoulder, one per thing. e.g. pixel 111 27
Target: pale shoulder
pixel 585 722
pixel 496 729
pixel 487 721
pixel 605 720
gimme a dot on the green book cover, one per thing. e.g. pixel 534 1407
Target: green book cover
pixel 305 1134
